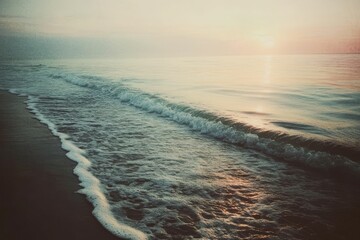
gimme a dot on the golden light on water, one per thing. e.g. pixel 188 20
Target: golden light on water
pixel 267 68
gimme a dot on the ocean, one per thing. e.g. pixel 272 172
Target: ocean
pixel 243 147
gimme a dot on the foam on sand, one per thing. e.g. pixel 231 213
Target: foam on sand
pixel 91 185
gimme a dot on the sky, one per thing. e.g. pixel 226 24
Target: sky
pixel 143 28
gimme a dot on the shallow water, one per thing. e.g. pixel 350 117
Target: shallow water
pixel 261 147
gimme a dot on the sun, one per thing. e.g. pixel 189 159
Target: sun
pixel 264 41
pixel 267 42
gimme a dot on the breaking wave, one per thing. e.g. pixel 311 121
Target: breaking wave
pixel 91 185
pixel 325 156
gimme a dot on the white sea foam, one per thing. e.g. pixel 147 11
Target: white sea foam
pixel 14 91
pixel 311 158
pixel 91 185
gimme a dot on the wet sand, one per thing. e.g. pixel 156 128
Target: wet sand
pixel 38 197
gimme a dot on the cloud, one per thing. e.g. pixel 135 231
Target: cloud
pixel 162 27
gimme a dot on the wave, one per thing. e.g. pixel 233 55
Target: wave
pixel 323 155
pixel 91 185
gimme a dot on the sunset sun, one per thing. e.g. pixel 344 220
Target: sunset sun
pixel 266 41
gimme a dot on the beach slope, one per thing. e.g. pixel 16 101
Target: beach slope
pixel 38 197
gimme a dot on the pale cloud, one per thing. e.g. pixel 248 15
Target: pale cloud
pixel 197 26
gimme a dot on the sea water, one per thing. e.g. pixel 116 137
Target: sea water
pixel 248 147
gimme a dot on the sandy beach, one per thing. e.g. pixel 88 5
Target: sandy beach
pixel 38 188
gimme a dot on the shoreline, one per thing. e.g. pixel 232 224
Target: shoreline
pixel 39 199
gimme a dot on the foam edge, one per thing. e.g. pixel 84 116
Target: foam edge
pixel 91 185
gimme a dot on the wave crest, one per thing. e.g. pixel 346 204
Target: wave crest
pixel 323 156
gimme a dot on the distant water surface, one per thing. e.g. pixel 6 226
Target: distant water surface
pixel 250 147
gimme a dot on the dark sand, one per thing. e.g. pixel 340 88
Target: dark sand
pixel 38 198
